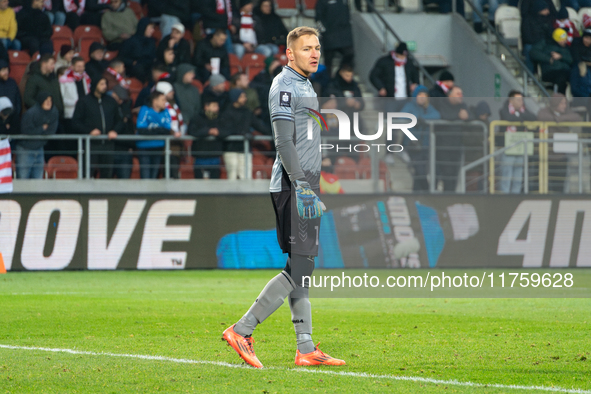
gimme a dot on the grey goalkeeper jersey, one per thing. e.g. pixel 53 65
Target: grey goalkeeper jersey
pixel 292 98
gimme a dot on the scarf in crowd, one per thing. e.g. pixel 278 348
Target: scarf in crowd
pixel 176 119
pixel 398 62
pixel 514 111
pixel 224 6
pixel 443 87
pixel 119 77
pixel 247 33
pixel 568 26
pixel 71 6
pixel 5 167
pixel 586 21
pixel 71 76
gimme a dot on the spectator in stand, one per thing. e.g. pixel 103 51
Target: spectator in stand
pixel 170 12
pixel 240 81
pixel 44 80
pixel 333 21
pixel 176 42
pixel 449 140
pixel 123 159
pixel 555 59
pixel 562 22
pixel 394 75
pixel 217 90
pixel 444 84
pixel 65 56
pixel 177 126
pixel 159 73
pixel 98 114
pixel 115 74
pixel 343 85
pixel 492 8
pixel 262 83
pixel 118 24
pixel 270 30
pixel 74 84
pixel 511 166
pixel 5 113
pixel 139 51
pixel 8 27
pixel 34 28
pixel 208 49
pixel 576 4
pixel 560 165
pixel 168 59
pixel 580 77
pixel 10 90
pixel 187 95
pixel 217 15
pixel 93 11
pixel 418 151
pixel 96 66
pixel 205 125
pixel 238 120
pixel 246 40
pixel 41 119
pixel 537 20
pixel 153 119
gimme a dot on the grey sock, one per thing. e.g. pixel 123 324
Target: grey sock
pixel 301 316
pixel 270 299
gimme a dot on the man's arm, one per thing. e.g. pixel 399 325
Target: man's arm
pixel 284 131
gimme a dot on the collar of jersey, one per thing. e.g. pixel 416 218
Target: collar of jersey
pixel 296 73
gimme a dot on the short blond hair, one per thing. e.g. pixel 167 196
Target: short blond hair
pixel 299 32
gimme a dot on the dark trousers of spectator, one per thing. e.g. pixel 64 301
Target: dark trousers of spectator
pixel 419 157
pixel 33 44
pixel 557 77
pixel 68 147
pixel 448 167
pixel 91 18
pixel 445 6
pixel 122 163
pixel 347 53
pixel 150 160
pixel 141 71
pixel 211 165
pixel 102 154
pixel 176 151
pixel 29 163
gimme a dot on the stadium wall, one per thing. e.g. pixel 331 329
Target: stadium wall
pixel 159 231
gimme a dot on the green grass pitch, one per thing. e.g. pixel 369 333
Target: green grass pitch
pixel 181 315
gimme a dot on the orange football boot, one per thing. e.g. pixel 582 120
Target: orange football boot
pixel 317 357
pixel 242 345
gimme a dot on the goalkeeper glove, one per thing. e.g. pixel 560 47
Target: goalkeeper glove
pixel 309 205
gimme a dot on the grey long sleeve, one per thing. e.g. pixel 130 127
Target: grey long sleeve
pixel 284 131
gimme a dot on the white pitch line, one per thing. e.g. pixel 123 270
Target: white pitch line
pixel 304 370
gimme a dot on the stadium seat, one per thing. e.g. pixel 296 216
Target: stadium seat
pixel 189 37
pixel 197 83
pixel 282 58
pixel 135 87
pixel 186 169
pixel 136 8
pixel 157 34
pixel 575 18
pixel 135 168
pixel 110 55
pixel 309 8
pixel 62 167
pixel 508 21
pixel 19 60
pixel 252 64
pixel 62 35
pixel 235 65
pixel 345 168
pixel 286 8
pixel 84 36
pixel 364 168
pixel 260 167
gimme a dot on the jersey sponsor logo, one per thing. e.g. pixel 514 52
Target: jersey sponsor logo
pixel 285 99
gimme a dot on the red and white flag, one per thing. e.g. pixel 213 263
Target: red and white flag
pixel 5 167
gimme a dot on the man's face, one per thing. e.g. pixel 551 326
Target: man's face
pixel 561 108
pixel 247 9
pixel 346 75
pixel 517 101
pixel 587 41
pixel 37 4
pixel 423 99
pixel 169 56
pixel 266 7
pixel 156 74
pixel 3 4
pixel 176 35
pixel 305 53
pixel 69 55
pixel 4 73
pixel 159 103
pixel 115 4
pixel 242 82
pixel 120 68
pixel 219 88
pixel 449 84
pixel 101 87
pixel 48 67
pixel 189 77
pixel 212 108
pixel 456 96
pixel 149 30
pixel 78 67
pixel 562 43
pixel 47 104
pixel 98 55
pixel 218 39
pixel 170 95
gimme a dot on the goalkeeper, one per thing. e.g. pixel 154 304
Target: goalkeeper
pixel 294 189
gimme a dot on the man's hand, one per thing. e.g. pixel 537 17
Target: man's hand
pixel 463 114
pixel 95 132
pixel 309 205
pixel 556 55
pixel 112 134
pixel 177 134
pixel 214 131
pixel 383 92
pixel 45 126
